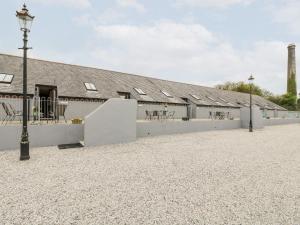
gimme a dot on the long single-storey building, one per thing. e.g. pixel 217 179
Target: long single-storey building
pixel 84 89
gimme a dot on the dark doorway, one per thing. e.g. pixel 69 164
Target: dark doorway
pixel 47 95
pixel 124 95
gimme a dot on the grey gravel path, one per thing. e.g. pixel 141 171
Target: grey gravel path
pixel 222 177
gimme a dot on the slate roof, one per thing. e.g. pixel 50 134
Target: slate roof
pixel 70 80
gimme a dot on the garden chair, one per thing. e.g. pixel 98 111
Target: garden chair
pixel 211 115
pixel 164 114
pixel 148 115
pixel 222 116
pixel 155 114
pixel 15 113
pixel 171 115
pixel 8 113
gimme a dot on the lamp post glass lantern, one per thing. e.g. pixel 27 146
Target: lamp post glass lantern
pixel 251 79
pixel 25 20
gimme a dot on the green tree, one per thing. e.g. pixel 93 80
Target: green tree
pixel 288 101
pixel 244 88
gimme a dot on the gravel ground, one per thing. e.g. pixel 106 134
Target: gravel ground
pixel 222 177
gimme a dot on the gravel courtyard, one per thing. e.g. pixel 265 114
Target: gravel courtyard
pixel 222 177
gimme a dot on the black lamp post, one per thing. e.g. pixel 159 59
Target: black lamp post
pixel 250 79
pixel 25 20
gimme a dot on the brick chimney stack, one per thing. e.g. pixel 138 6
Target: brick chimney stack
pixel 291 75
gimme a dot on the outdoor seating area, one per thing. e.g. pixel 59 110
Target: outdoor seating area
pixel 159 115
pixel 40 111
pixel 220 116
pixel 49 110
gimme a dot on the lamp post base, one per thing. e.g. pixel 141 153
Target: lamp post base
pixel 24 151
pixel 250 125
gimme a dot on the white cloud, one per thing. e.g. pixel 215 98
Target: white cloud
pixel 189 53
pixel 211 3
pixel 67 3
pixel 288 13
pixel 108 16
pixel 132 4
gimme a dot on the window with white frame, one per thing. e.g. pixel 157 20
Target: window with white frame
pixel 140 91
pixel 166 94
pixel 90 87
pixel 6 78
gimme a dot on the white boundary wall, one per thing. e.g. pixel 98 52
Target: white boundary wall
pixel 257 119
pixel 273 122
pixel 41 135
pixel 155 128
pixel 111 123
pixel 80 109
pixel 115 122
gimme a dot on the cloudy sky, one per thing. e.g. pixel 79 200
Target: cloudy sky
pixel 204 42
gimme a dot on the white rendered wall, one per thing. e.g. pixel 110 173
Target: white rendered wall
pixel 257 117
pixel 270 113
pixel 80 109
pixel 282 114
pixel 156 128
pixel 111 123
pixel 203 112
pixel 41 135
pixel 273 122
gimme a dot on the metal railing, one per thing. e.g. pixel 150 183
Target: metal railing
pixel 48 109
pixel 220 115
pixel 39 109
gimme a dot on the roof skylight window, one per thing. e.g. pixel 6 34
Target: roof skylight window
pixel 195 97
pixel 167 94
pixel 210 98
pixel 90 87
pixel 222 99
pixel 140 91
pixel 6 78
